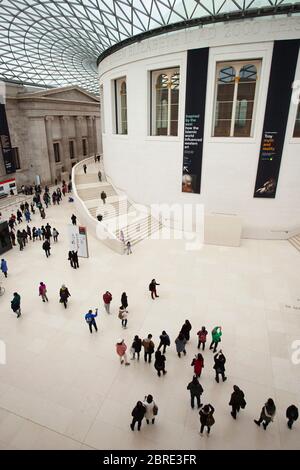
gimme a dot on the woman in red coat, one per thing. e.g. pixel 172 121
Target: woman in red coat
pixel 198 363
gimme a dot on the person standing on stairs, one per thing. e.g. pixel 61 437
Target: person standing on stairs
pixel 128 247
pixel 103 196
pixel 99 176
pixel 84 168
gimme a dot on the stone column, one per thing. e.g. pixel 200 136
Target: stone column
pixel 90 138
pixel 78 137
pixel 95 150
pixel 49 135
pixel 64 126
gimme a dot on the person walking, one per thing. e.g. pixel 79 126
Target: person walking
pixel 206 418
pixel 55 234
pixel 292 415
pixel 27 216
pixel 164 341
pixel 216 337
pixel 46 247
pixel 124 300
pixel 185 330
pixel 90 319
pixel 99 176
pixel 136 347
pixel 151 409
pixel 84 168
pixel 123 315
pixel 74 219
pixel 107 298
pixel 43 291
pixel 196 391
pixel 237 401
pixel 219 365
pixel 152 288
pixel 121 351
pixel 29 233
pixel 198 364
pixel 202 334
pixel 128 248
pixel 64 294
pixel 16 304
pixel 103 196
pixel 20 240
pixel 180 342
pixel 4 268
pixel 148 348
pixel 267 414
pixel 39 233
pixel 75 259
pixel 160 363
pixel 12 237
pixel 138 414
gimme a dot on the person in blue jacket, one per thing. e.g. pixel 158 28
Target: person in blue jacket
pixel 4 267
pixel 90 319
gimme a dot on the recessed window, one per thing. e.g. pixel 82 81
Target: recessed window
pixel 84 147
pixel 56 152
pixel 297 123
pixel 16 158
pixel 236 93
pixel 71 149
pixel 164 102
pixel 121 105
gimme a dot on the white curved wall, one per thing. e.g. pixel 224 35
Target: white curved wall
pixel 149 168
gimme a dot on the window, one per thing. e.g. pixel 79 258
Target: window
pixel 102 108
pixel 297 123
pixel 16 158
pixel 235 98
pixel 56 152
pixel 165 99
pixel 71 149
pixel 84 150
pixel 121 105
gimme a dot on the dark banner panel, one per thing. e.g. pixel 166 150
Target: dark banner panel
pixel 5 241
pixel 284 61
pixel 5 142
pixel 197 62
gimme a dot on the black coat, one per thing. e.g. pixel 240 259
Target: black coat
pixel 292 412
pixel 138 412
pixel 160 360
pixel 195 388
pixel 137 345
pixel 124 301
pixel 185 330
pixel 165 340
pixel 207 419
pixel 237 399
pixel 219 363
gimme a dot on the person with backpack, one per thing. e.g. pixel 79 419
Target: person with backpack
pixel 185 330
pixel 136 347
pixel 64 294
pixel 152 288
pixel 196 391
pixel 16 304
pixel 219 365
pixel 180 342
pixel 123 315
pixel 164 341
pixel 202 337
pixel 206 418
pixel 216 337
pixel 43 291
pixel 148 348
pixel 138 414
pixel 159 363
pixel 198 364
pixel 107 298
pixel 267 414
pixel 121 351
pixel 4 267
pixel 90 319
pixel 237 401
pixel 151 409
pixel 292 415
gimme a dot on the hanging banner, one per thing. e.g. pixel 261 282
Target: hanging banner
pixel 9 161
pixel 78 240
pixel 197 62
pixel 284 61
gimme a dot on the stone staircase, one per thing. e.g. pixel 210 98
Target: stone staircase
pixel 295 241
pixel 118 213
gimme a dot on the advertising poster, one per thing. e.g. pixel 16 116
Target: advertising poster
pixel 284 61
pixel 5 142
pixel 197 62
pixel 78 240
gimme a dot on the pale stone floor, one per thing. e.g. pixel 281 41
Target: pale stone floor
pixel 63 388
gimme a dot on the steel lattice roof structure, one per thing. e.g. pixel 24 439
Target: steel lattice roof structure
pixel 58 42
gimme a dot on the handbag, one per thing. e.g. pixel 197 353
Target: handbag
pixel 155 410
pixel 210 421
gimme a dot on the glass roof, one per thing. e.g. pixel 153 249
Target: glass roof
pixel 57 43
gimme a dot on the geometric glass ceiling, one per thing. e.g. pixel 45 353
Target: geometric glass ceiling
pixel 57 43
